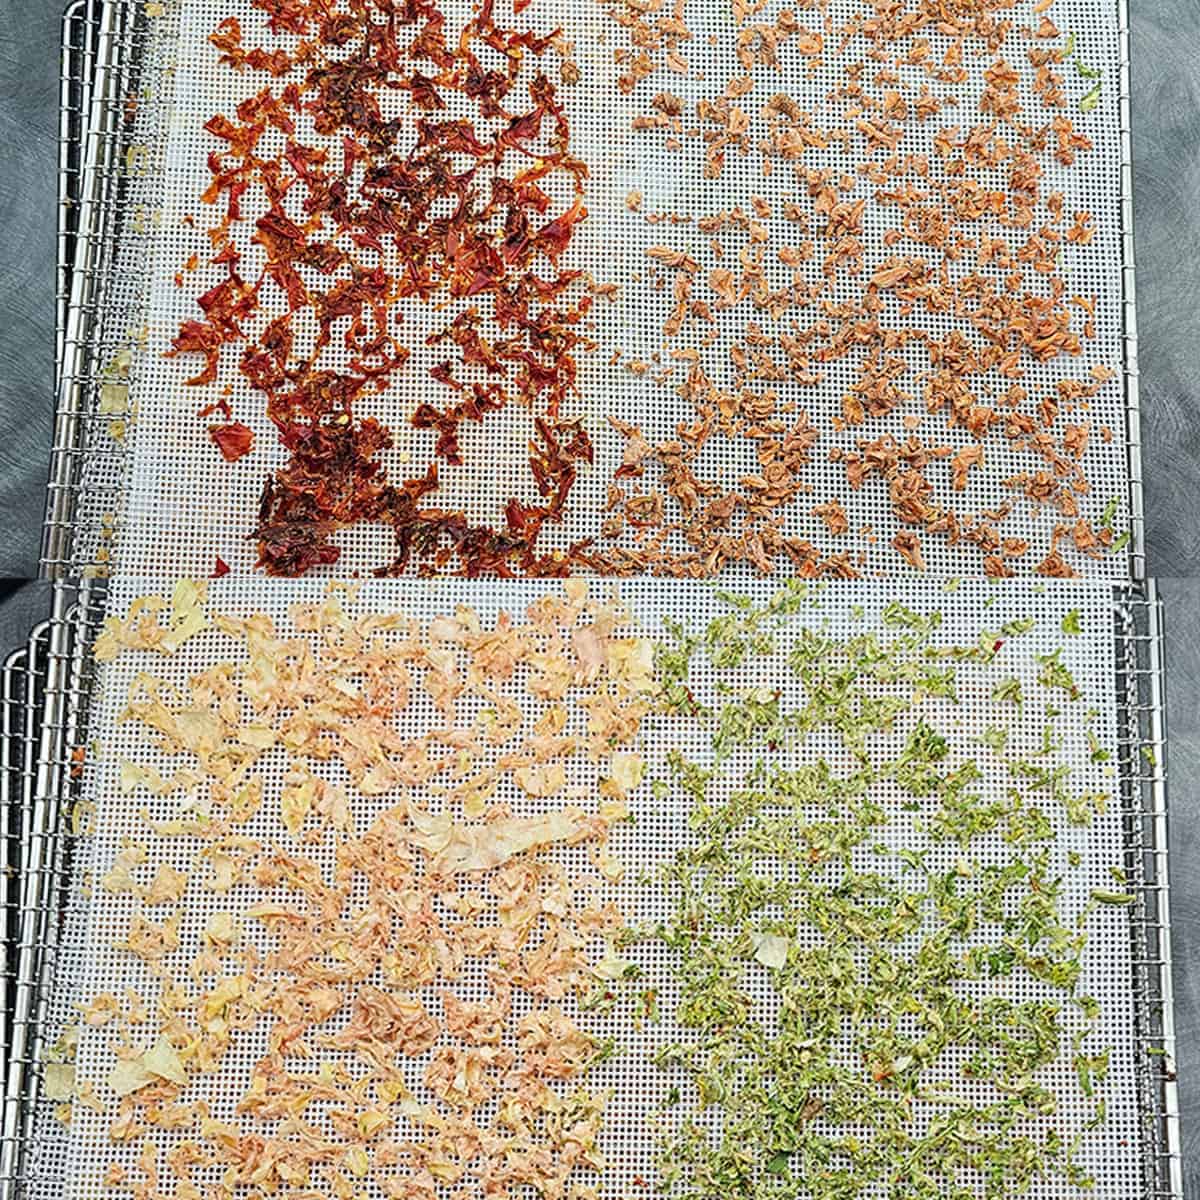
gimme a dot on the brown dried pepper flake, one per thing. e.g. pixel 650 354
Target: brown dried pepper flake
pixel 834 516
pixel 981 235
pixel 908 546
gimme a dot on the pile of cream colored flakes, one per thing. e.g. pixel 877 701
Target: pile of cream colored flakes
pixel 380 905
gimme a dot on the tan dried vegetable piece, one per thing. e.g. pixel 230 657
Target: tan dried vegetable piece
pixel 454 848
pixel 296 800
pixel 221 928
pixel 162 1061
pixel 167 886
pixel 119 877
pixel 58 1081
pixel 128 1076
pixel 545 779
pixel 134 776
pixel 770 949
pixel 625 774
pixel 101 1009
pixel 141 629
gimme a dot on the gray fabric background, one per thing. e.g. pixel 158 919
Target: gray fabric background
pixel 1166 108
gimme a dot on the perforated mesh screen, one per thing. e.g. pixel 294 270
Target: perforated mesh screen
pixel 182 506
pixel 96 917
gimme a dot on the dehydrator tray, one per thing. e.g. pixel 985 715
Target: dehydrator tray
pixel 26 883
pixel 138 491
pixel 75 818
pixel 137 484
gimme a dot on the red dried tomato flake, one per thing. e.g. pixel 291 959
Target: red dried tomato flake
pixel 233 440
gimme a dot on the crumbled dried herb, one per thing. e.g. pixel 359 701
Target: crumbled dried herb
pixel 871 936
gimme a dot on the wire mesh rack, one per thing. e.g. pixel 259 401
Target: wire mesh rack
pixel 43 699
pixel 53 679
pixel 1143 772
pixel 20 723
pixel 47 685
pixel 79 29
pixel 117 95
pixel 100 111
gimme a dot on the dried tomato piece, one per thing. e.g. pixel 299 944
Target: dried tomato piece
pixel 554 237
pixel 233 440
pixel 196 337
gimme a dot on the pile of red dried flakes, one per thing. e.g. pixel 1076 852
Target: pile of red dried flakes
pixel 461 204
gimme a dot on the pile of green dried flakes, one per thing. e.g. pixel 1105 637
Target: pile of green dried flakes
pixel 877 920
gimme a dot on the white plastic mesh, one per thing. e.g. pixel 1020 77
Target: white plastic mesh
pixel 91 965
pixel 183 506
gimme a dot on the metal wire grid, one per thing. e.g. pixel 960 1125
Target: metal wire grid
pixel 1133 417
pixel 97 305
pixel 55 676
pixel 11 709
pixel 44 698
pixel 79 28
pixel 22 695
pixel 1142 767
pixel 18 723
pixel 108 42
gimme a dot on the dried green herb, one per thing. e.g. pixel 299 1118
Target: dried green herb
pixel 839 923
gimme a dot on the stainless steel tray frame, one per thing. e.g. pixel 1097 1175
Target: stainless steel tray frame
pixel 1142 773
pixel 20 727
pixel 43 699
pixel 79 28
pixel 102 41
pixel 1133 412
pixel 99 79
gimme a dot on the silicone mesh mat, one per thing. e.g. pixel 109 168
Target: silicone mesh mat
pixel 95 917
pixel 179 506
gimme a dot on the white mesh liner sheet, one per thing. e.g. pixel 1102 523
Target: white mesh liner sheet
pixel 91 965
pixel 184 507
